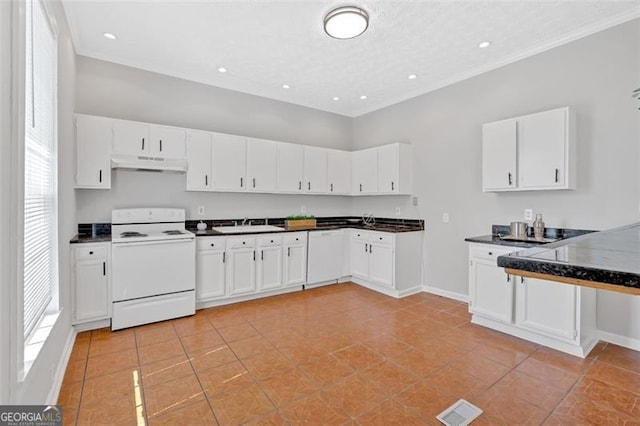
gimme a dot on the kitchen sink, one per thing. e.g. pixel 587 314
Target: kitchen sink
pixel 245 229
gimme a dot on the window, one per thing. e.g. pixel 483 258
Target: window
pixel 40 259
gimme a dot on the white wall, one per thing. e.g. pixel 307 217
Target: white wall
pixel 113 90
pixel 595 76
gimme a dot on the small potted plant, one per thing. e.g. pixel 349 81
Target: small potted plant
pixel 300 222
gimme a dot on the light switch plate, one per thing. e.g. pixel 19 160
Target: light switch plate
pixel 398 211
pixel 528 214
pixel 200 210
pixel 445 217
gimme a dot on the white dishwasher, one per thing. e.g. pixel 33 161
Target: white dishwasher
pixel 325 256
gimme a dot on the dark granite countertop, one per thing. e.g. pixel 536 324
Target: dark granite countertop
pixel 610 258
pixel 101 232
pixel 499 231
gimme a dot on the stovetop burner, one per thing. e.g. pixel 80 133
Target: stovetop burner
pixel 173 232
pixel 130 234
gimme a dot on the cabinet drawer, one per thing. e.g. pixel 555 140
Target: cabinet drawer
pixel 360 235
pixel 211 243
pixel 295 237
pixel 84 253
pixel 241 242
pixel 488 252
pixel 269 240
pixel 382 238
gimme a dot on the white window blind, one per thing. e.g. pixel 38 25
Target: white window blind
pixel 40 167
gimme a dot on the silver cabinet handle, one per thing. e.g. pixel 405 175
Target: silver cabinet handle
pixel 392 188
pixel 309 185
pixel 224 257
pixel 331 187
pixel 160 145
pixel 254 182
pixel 261 254
pixel 557 177
pixel 509 174
pixel 299 185
pixel 206 180
pixel 241 182
pixel 143 144
pixel 100 176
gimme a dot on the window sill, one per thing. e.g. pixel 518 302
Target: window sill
pixel 36 341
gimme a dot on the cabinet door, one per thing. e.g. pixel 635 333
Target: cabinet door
pixel 229 162
pixel 388 169
pixel 269 267
pixel 199 161
pixel 241 271
pixel 338 171
pixel 261 165
pixel 130 137
pixel 499 142
pixel 210 274
pixel 295 264
pixel 491 290
pixel 359 258
pixel 364 171
pixel 315 169
pixel 94 136
pixel 290 167
pixel 542 141
pixel 381 259
pixel 167 142
pixel 91 290
pixel 546 307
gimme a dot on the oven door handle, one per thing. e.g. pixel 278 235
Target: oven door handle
pixel 150 243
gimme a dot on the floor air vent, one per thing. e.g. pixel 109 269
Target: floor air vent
pixel 459 414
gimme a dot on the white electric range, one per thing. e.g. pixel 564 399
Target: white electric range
pixel 153 266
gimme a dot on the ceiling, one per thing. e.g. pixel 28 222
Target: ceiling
pixel 266 44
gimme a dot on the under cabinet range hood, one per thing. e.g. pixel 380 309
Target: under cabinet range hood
pixel 157 164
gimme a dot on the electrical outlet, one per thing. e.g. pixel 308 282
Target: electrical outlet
pixel 200 210
pixel 398 211
pixel 445 217
pixel 414 200
pixel 528 214
pixel 303 209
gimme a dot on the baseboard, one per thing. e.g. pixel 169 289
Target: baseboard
pixel 92 325
pixel 56 385
pixel 446 293
pixel 204 304
pixel 616 339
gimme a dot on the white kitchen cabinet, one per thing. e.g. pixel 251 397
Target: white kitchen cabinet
pixel 325 256
pixel 499 159
pixel 364 171
pixel 560 316
pixel 199 147
pixel 269 262
pixel 94 137
pixel 530 152
pixel 339 171
pixel 295 258
pixel 142 139
pixel 375 261
pixel 290 167
pixel 229 162
pixel 210 268
pixel 241 265
pixel 91 282
pixel 262 159
pixel 395 169
pixel 315 170
pixel 490 288
pixel 167 142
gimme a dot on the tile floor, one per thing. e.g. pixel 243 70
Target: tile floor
pixel 339 355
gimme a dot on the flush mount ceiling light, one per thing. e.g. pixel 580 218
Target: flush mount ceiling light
pixel 363 97
pixel 286 86
pixel 484 44
pixel 412 76
pixel 110 36
pixel 222 69
pixel 346 22
pixel 335 98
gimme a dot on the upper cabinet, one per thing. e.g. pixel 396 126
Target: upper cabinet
pixel 290 167
pixel 315 170
pixel 229 163
pixel 364 171
pixel 262 160
pixel 339 171
pixel 135 138
pixel 199 148
pixel 94 136
pixel 394 169
pixel 532 152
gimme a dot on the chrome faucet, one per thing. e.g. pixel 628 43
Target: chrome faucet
pixel 245 220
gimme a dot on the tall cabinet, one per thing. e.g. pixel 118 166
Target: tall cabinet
pixel 94 137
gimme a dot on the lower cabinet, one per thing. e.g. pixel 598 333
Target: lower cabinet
pixel 210 267
pixel 269 262
pixel 387 262
pixel 91 282
pixel 295 258
pixel 560 316
pixel 241 265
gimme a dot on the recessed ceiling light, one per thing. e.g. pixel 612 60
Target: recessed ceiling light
pixel 484 44
pixel 412 76
pixel 222 69
pixel 286 86
pixel 363 97
pixel 346 22
pixel 335 98
pixel 110 36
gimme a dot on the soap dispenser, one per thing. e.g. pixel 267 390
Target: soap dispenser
pixel 538 227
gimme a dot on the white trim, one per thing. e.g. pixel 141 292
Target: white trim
pixel 92 325
pixel 617 339
pixel 54 391
pixel 203 304
pixel 446 293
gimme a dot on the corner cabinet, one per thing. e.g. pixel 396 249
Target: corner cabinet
pixel 531 152
pixel 387 262
pixel 560 316
pixel 91 282
pixel 94 137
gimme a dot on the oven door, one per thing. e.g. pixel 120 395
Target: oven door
pixel 142 269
